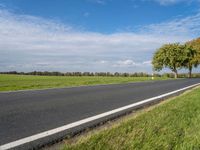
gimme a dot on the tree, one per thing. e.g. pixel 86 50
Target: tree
pixel 190 59
pixel 193 54
pixel 195 43
pixel 170 56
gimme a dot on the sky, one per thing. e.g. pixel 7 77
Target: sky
pixel 92 35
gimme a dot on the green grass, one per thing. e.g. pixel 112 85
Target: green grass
pixel 174 124
pixel 22 82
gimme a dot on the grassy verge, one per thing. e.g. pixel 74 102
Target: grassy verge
pixel 173 124
pixel 22 82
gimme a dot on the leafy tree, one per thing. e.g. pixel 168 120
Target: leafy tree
pixel 193 54
pixel 190 60
pixel 195 43
pixel 170 56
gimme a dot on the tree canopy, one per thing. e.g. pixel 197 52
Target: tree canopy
pixel 170 56
pixel 191 58
pixel 195 44
pixel 176 56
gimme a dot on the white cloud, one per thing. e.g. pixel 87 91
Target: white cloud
pixel 171 2
pixel 131 63
pixel 101 2
pixel 188 26
pixel 102 61
pixel 31 43
pixel 147 63
pixel 126 63
pixel 168 2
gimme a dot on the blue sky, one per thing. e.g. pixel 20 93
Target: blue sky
pixel 91 35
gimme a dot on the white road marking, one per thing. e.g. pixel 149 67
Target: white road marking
pixel 86 120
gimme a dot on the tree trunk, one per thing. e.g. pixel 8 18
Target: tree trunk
pixel 190 72
pixel 175 74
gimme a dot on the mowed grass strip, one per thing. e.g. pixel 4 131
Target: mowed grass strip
pixel 173 124
pixel 24 82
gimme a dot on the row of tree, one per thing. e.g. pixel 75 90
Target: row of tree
pixel 109 74
pixel 176 56
pixel 103 74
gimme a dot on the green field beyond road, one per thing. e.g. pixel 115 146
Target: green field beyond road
pixel 24 82
pixel 173 124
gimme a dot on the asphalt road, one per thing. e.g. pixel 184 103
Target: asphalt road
pixel 26 113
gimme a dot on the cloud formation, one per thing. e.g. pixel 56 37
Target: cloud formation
pixel 30 43
pixel 180 26
pixel 101 2
pixel 171 2
pixel 131 63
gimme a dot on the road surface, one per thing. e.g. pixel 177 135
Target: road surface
pixel 26 113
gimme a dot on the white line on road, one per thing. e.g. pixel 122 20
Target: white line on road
pixel 86 120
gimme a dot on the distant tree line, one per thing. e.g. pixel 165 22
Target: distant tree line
pixel 176 56
pixel 108 74
pixel 103 74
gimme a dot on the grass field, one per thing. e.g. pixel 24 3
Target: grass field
pixel 22 82
pixel 173 124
